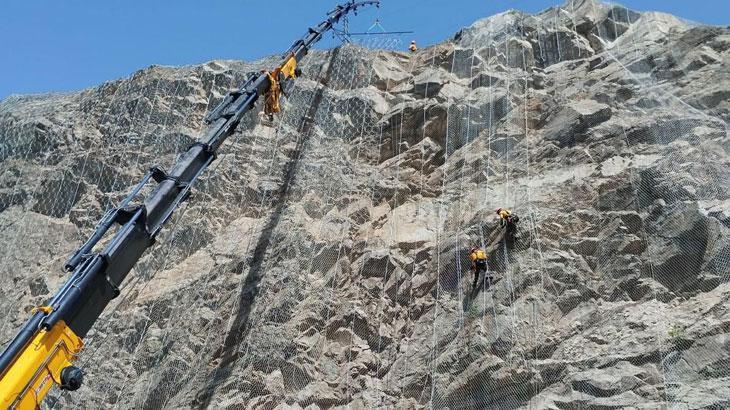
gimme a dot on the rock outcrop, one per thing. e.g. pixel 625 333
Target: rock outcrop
pixel 322 263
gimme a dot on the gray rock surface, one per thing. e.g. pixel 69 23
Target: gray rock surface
pixel 322 263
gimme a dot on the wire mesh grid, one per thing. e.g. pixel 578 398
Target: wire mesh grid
pixel 324 260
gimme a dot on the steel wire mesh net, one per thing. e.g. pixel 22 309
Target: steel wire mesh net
pixel 323 261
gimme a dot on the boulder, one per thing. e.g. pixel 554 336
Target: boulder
pixel 570 124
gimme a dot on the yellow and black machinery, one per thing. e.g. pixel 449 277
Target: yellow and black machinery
pixel 43 353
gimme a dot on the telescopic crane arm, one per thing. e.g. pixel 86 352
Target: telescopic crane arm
pixel 43 352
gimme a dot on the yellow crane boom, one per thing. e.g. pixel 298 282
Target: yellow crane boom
pixel 42 354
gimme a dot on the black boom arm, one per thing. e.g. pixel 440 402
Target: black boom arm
pixel 96 277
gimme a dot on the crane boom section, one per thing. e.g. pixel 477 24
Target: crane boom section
pixel 42 352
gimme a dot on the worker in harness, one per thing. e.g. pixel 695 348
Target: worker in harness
pixel 478 263
pixel 271 104
pixel 506 217
pixel 277 80
pixel 413 47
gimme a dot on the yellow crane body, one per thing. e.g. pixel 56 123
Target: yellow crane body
pixel 39 367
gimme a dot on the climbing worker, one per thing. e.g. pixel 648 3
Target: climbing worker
pixel 413 47
pixel 271 104
pixel 478 263
pixel 277 81
pixel 507 217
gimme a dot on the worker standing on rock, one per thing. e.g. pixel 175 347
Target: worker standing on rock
pixel 478 263
pixel 413 47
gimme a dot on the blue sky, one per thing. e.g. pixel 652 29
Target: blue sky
pixel 62 45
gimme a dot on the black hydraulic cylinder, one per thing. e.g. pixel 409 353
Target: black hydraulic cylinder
pixel 104 225
pixel 24 336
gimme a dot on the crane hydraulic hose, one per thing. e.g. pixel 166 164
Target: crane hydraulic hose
pixel 42 353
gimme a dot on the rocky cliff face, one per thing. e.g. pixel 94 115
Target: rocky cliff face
pixel 322 262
